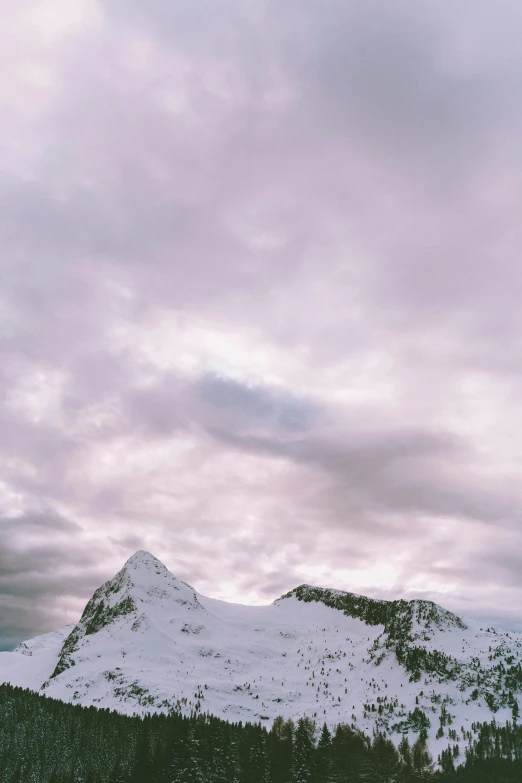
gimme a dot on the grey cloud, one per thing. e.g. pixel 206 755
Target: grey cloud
pixel 176 403
pixel 130 542
pixel 139 216
pixel 38 521
pixel 45 570
pixel 407 78
pixel 283 410
pixel 388 471
pixel 385 67
pixel 379 470
pixel 336 181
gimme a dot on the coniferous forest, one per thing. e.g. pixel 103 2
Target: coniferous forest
pixel 47 741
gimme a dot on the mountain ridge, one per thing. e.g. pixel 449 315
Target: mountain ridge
pixel 147 641
pixel 375 611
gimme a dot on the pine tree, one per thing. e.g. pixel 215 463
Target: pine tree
pixel 351 756
pixel 190 765
pixel 446 761
pixel 233 764
pixel 422 760
pixel 259 765
pixel 218 756
pixel 142 769
pixel 386 758
pixel 304 746
pixel 405 753
pixel 17 776
pixel 281 741
pixel 323 756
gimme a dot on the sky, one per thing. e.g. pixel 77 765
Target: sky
pixel 259 300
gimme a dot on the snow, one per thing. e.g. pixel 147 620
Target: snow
pixel 148 642
pixel 32 662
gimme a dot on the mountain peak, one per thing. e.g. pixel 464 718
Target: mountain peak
pixel 144 576
pixel 143 558
pixel 145 572
pixel 143 591
pixel 144 561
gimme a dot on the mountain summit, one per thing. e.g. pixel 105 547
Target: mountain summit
pixel 142 560
pixel 146 577
pixel 146 641
pixel 144 594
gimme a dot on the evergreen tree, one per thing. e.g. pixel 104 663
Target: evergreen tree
pixel 17 776
pixel 446 761
pixel 422 760
pixel 386 759
pixel 233 764
pixel 405 754
pixel 281 742
pixel 349 754
pixel 190 766
pixel 304 746
pixel 48 741
pixel 218 756
pixel 142 768
pixel 323 756
pixel 259 765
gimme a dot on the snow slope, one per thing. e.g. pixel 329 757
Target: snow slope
pixel 147 642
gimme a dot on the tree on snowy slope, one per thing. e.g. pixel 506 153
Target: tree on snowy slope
pixel 215 753
pixel 406 756
pixel 233 763
pixel 304 747
pixel 47 741
pixel 388 767
pixel 259 765
pixel 350 750
pixel 323 756
pixel 422 760
pixel 189 768
pixel 280 744
pixel 143 766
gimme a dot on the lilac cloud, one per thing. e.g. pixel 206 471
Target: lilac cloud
pixel 259 301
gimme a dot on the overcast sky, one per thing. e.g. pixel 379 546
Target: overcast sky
pixel 260 290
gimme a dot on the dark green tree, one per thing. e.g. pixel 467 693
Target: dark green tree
pixel 233 764
pixel 303 766
pixel 350 753
pixel 422 760
pixel 386 759
pixel 405 754
pixel 281 744
pixel 323 756
pixel 190 765
pixel 259 763
pixel 142 768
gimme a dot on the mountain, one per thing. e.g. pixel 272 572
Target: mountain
pixel 147 641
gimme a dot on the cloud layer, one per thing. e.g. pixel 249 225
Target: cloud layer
pixel 259 300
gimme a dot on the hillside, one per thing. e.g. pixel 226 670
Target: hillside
pixel 147 641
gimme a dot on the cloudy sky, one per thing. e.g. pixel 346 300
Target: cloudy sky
pixel 260 288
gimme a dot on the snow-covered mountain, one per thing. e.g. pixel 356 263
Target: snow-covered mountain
pixel 147 641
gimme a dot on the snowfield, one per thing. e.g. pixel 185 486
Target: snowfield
pixel 148 642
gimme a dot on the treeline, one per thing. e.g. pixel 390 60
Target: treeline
pixel 43 740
